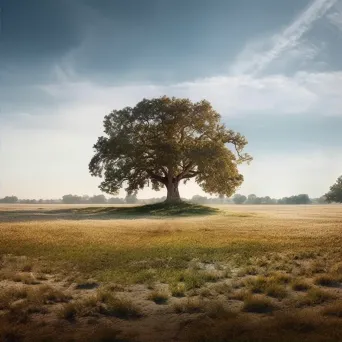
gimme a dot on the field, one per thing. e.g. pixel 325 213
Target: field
pixel 229 273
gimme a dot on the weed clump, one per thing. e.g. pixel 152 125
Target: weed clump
pixel 326 280
pixel 159 297
pixel 300 285
pixel 178 290
pixel 258 304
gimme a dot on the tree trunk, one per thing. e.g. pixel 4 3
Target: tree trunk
pixel 172 193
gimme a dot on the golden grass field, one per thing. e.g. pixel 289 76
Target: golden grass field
pixel 241 273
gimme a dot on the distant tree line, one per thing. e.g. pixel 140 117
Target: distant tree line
pixel 333 196
pixel 297 199
pixel 197 199
pixel 85 199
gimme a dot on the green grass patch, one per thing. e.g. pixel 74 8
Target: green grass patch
pixel 182 209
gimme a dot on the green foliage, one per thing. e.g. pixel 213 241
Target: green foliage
pixel 178 290
pixel 298 199
pixel 9 199
pixel 71 199
pixel 157 209
pixel 98 199
pixel 165 141
pixel 335 193
pixel 239 199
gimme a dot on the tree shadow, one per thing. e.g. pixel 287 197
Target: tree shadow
pixel 156 211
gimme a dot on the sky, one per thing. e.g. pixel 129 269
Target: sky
pixel 272 69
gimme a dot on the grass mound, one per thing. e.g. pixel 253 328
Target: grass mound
pixel 163 209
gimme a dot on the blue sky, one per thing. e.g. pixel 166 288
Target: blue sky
pixel 271 68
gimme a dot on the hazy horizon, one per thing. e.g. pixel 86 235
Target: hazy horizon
pixel 271 69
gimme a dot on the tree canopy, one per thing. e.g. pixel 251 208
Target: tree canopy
pixel 335 193
pixel 164 141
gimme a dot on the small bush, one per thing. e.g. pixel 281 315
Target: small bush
pixel 67 311
pixel 192 280
pixel 317 267
pixel 300 285
pixel 25 278
pixel 211 276
pixel 249 270
pixel 326 280
pixel 334 309
pixel 216 309
pixel 11 294
pixel 258 304
pixel 189 305
pixel 27 267
pixel 41 276
pixel 256 285
pixel 280 278
pixel 222 288
pixel 337 268
pixel 159 297
pixel 178 290
pixel 89 306
pixel 239 295
pixel 205 292
pixel 87 285
pixel 47 295
pixel 19 312
pixel 86 307
pixel 103 295
pixel 276 291
pixel 121 308
pixel 315 296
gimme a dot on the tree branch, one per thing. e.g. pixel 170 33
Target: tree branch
pixel 185 171
pixel 156 177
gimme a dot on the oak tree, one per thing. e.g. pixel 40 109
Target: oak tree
pixel 164 141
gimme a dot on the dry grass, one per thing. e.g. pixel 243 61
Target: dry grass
pixel 315 296
pixel 159 296
pixel 327 280
pixel 334 309
pixel 300 284
pixel 213 309
pixel 280 249
pixel 121 308
pixel 258 304
pixel 273 286
pixel 189 305
pixel 178 290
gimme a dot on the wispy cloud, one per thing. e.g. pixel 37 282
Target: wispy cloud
pixel 287 39
pixel 336 17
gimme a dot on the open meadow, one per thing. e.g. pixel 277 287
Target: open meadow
pixel 225 273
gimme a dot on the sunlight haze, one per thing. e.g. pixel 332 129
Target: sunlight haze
pixel 272 69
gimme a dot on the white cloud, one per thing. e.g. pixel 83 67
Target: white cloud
pixel 336 17
pixel 313 93
pixel 46 155
pixel 258 55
